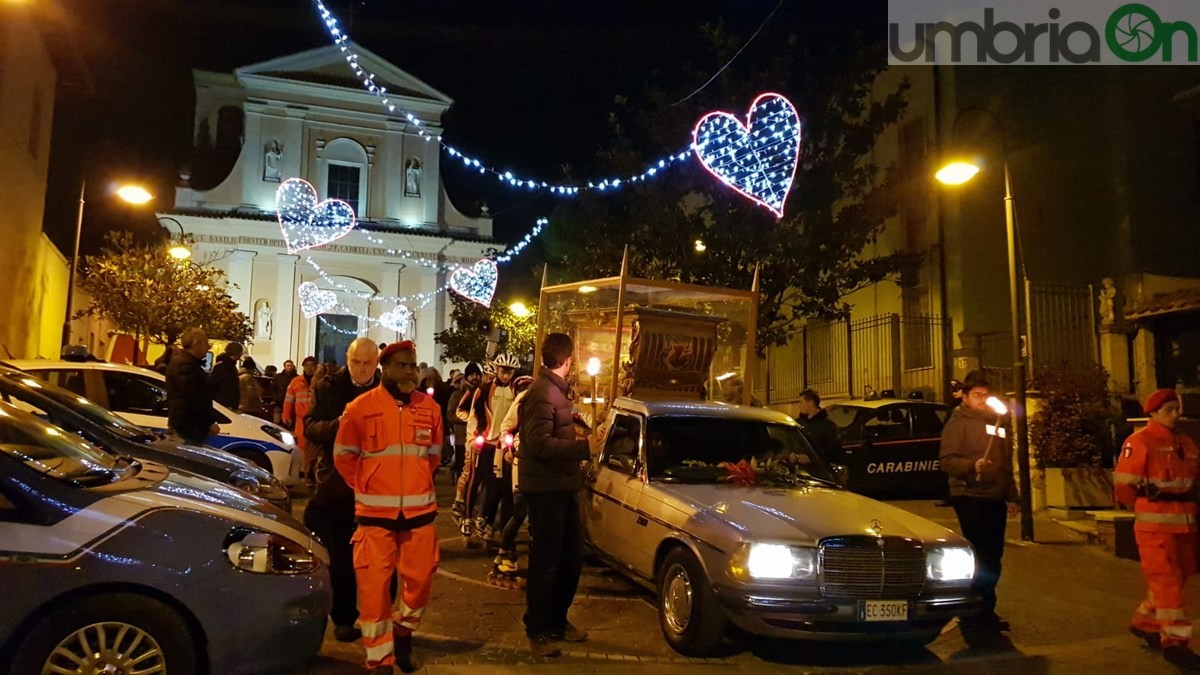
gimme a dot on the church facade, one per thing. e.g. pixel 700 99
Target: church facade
pixel 305 116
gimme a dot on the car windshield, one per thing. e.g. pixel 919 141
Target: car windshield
pixel 52 451
pixel 28 389
pixel 686 449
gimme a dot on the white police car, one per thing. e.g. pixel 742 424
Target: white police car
pixel 140 396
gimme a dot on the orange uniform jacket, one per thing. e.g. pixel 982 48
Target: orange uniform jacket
pixel 296 405
pixel 387 452
pixel 1155 475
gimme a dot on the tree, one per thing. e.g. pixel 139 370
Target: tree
pixel 471 325
pixel 813 257
pixel 145 292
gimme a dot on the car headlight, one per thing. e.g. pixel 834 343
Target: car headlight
pixel 266 553
pixel 950 564
pixel 282 435
pixel 772 561
pixel 260 484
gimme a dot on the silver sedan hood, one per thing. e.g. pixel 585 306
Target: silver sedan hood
pixel 803 516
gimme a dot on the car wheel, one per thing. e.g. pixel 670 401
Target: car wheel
pixel 258 458
pixel 121 633
pixel 691 620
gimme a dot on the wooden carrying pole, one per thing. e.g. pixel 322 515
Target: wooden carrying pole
pixel 751 364
pixel 542 302
pixel 616 362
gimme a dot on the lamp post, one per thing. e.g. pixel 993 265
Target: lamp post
pixel 957 173
pixel 133 194
pixel 179 250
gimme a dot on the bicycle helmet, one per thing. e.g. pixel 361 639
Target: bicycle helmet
pixel 489 369
pixel 507 361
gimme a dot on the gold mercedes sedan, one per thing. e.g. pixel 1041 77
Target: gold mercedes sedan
pixel 728 516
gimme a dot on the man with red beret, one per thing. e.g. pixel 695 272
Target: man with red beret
pixel 388 447
pixel 1155 477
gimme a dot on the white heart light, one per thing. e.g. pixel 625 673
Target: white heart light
pixel 314 301
pixel 476 283
pixel 757 159
pixel 305 223
pixel 397 319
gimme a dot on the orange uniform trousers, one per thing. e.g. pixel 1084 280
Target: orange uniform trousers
pixel 1167 560
pixel 379 554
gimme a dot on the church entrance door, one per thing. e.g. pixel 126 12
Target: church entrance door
pixel 335 332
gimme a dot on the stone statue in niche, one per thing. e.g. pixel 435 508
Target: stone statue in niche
pixel 1108 293
pixel 262 319
pixel 412 178
pixel 271 162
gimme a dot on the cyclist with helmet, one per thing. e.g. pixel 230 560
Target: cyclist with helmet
pixel 504 566
pixel 458 409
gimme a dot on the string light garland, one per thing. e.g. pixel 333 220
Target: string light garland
pixel 342 40
pixel 315 300
pixel 306 222
pixel 423 298
pixel 757 159
pixel 478 283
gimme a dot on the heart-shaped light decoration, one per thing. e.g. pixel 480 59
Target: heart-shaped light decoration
pixel 476 283
pixel 305 223
pixel 758 158
pixel 314 301
pixel 397 319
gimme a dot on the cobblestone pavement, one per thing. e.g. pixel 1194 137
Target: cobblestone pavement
pixel 1068 603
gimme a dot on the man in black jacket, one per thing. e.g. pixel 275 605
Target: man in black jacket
pixel 190 412
pixel 550 480
pixel 821 432
pixel 330 512
pixel 224 378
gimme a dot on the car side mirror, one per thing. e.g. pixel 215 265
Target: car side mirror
pixel 623 463
pixel 841 473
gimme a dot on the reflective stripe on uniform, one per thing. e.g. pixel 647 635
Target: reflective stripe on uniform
pixel 376 654
pixel 339 449
pixel 1165 518
pixel 1177 630
pixel 1128 478
pixel 373 629
pixel 1183 484
pixel 396 501
pixel 1168 614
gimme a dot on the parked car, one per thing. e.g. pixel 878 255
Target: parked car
pixel 891 447
pixel 103 429
pixel 812 561
pixel 140 396
pixel 111 565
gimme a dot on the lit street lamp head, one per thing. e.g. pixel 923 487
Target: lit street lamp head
pixel 519 310
pixel 957 173
pixel 179 252
pixel 134 194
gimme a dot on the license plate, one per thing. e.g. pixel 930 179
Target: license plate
pixel 885 610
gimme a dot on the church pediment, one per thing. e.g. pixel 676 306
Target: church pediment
pixel 327 66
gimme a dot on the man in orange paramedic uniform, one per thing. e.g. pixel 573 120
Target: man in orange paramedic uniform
pixel 1155 477
pixel 388 445
pixel 296 404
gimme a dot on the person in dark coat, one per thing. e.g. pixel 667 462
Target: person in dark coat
pixel 190 413
pixel 330 512
pixel 550 480
pixel 821 432
pixel 224 378
pixel 279 386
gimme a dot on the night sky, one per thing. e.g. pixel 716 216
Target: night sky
pixel 533 81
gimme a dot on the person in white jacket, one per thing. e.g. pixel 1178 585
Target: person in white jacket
pixel 506 558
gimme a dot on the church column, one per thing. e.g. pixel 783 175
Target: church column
pixel 286 313
pixel 241 272
pixel 390 276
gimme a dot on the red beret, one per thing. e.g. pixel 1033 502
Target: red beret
pixel 1158 399
pixel 403 345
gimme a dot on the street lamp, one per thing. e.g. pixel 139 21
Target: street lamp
pixel 519 310
pixel 179 250
pixel 133 194
pixel 958 173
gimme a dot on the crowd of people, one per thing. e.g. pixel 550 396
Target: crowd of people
pixel 374 433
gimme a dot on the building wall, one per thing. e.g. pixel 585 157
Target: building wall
pixel 27 87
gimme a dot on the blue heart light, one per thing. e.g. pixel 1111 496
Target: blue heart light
pixel 758 158
pixel 305 223
pixel 477 283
